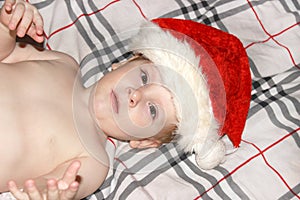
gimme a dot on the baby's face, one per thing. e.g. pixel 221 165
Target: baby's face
pixel 131 103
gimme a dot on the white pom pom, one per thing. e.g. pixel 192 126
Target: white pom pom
pixel 213 158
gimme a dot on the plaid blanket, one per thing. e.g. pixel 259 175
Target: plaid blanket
pixel 267 164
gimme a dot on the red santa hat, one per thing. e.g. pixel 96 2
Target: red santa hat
pixel 208 72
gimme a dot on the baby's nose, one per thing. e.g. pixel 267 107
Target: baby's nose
pixel 135 96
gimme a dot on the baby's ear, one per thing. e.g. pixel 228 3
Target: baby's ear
pixel 145 143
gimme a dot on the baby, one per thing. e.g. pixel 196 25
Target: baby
pixel 40 95
pixel 56 129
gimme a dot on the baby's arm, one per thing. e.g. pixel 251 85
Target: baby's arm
pixel 17 18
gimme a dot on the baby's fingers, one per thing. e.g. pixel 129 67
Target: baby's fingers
pixel 25 19
pixel 69 175
pixel 38 23
pixel 25 22
pixel 70 192
pixel 36 29
pixel 17 15
pixel 53 192
pixel 15 191
pixel 8 5
pixel 32 190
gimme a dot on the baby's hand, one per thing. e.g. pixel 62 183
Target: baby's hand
pixel 24 18
pixel 52 193
pixel 63 189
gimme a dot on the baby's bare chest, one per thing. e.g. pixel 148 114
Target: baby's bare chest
pixel 36 117
pixel 34 97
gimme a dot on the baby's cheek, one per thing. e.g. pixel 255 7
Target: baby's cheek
pixel 140 117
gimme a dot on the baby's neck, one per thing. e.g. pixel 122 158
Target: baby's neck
pixel 90 135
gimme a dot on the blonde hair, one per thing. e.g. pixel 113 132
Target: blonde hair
pixel 167 134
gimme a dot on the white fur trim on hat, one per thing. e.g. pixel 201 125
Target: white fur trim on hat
pixel 179 68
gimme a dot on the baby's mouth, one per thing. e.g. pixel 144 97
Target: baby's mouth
pixel 114 102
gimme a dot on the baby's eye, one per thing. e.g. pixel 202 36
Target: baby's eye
pixel 152 110
pixel 144 77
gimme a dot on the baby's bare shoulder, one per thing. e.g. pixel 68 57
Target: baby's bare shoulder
pixel 28 52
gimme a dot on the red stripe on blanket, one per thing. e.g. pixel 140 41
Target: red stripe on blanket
pixel 140 9
pixel 273 36
pixel 82 15
pixel 248 160
pixel 268 164
pixel 109 139
pixel 122 163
